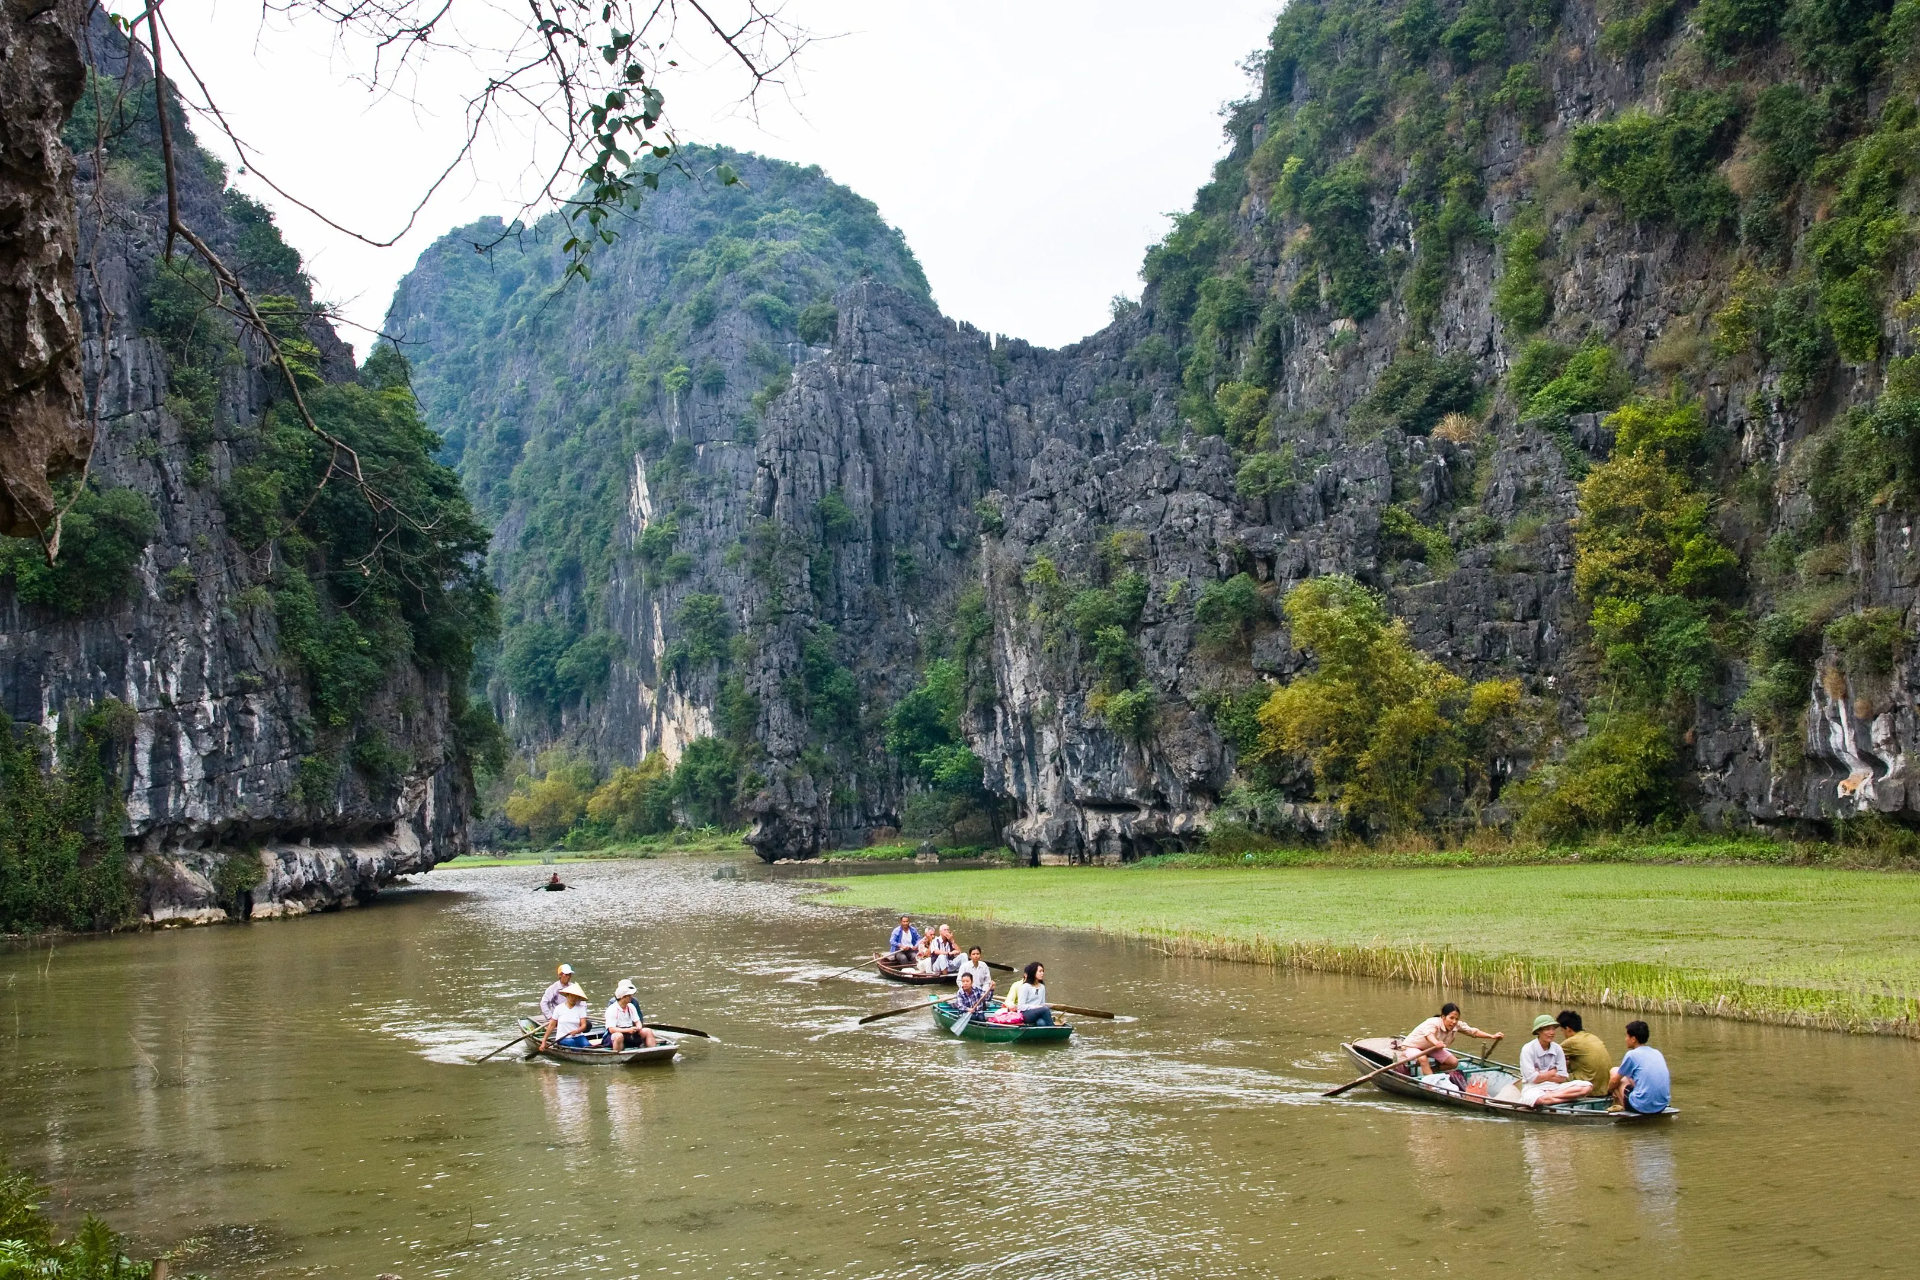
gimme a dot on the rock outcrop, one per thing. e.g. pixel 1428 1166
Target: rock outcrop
pixel 43 430
pixel 224 719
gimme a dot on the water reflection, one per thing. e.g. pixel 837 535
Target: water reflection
pixel 355 1138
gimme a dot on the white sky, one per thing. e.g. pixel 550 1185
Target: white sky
pixel 1029 151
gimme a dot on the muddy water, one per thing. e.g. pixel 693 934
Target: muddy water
pixel 297 1096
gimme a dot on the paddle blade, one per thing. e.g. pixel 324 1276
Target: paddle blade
pixel 684 1031
pixel 960 1023
pixel 995 964
pixel 894 1013
pixel 1085 1013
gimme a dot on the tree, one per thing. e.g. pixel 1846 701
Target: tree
pixel 1385 730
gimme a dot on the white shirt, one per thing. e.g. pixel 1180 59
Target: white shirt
pixel 570 1020
pixel 1027 995
pixel 622 1018
pixel 982 976
pixel 1536 1058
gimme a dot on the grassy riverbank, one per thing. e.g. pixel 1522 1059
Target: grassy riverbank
pixel 1802 946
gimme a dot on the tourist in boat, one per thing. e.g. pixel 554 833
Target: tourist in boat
pixel 550 1001
pixel 972 998
pixel 977 968
pixel 568 1025
pixel 1543 1069
pixel 1430 1045
pixel 903 944
pixel 1029 997
pixel 1587 1055
pixel 553 884
pixel 941 954
pixel 625 1023
pixel 1640 1083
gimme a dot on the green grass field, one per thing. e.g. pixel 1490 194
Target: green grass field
pixel 1778 944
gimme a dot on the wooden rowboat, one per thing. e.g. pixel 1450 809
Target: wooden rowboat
pixel 663 1051
pixel 978 1028
pixel 913 976
pixel 1376 1051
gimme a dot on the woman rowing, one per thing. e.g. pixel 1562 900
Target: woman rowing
pixel 971 999
pixel 567 1027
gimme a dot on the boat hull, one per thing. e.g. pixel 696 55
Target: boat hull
pixel 998 1033
pixel 914 978
pixel 663 1051
pixel 1371 1053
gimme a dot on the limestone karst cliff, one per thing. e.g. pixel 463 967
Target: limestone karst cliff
pixel 285 730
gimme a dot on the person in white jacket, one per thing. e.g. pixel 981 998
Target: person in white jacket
pixel 1543 1068
pixel 625 1023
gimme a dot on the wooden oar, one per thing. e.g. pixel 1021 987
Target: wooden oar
pixel 894 1013
pixel 863 964
pixel 1334 1093
pixel 509 1044
pixel 1085 1013
pixel 1004 968
pixel 685 1031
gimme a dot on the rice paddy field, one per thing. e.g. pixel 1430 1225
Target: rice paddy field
pixel 1775 944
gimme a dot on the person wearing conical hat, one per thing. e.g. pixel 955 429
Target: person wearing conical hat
pixel 625 1022
pixel 568 1025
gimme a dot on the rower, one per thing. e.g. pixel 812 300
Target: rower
pixel 553 884
pixel 551 1000
pixel 974 965
pixel 971 999
pixel 1432 1041
pixel 567 1027
pixel 625 1022
pixel 903 943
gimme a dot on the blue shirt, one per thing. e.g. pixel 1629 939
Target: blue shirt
pixel 900 939
pixel 1652 1086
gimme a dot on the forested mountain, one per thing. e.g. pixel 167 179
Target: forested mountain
pixel 1565 349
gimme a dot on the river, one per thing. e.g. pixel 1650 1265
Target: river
pixel 297 1098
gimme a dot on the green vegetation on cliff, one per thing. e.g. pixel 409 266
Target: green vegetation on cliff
pixel 554 402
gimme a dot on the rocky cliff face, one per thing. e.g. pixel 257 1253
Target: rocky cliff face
pixel 1449 240
pixel 43 434
pixel 215 791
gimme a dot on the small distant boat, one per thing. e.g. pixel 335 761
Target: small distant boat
pixel 662 1051
pixel 978 1028
pixel 1378 1050
pixel 908 974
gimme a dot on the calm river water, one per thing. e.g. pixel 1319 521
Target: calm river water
pixel 298 1095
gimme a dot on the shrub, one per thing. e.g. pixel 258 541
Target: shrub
pixel 1416 392
pixel 838 521
pixel 1520 298
pixel 992 522
pixel 1731 27
pixel 1591 381
pixel 102 539
pixel 63 858
pixel 635 800
pixel 1242 407
pixel 550 806
pixel 1523 92
pixel 705 626
pixel 1402 537
pixel 1266 473
pixel 705 781
pixel 1621 775
pixel 819 324
pixel 1227 613
pixel 1130 713
pixel 29 1248
pixel 1870 641
pixel 1661 168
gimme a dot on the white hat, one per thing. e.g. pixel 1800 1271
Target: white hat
pixel 626 988
pixel 567 969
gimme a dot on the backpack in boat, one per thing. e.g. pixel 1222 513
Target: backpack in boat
pixel 1458 1077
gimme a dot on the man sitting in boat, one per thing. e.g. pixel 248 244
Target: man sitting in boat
pixel 1640 1083
pixel 625 1023
pixel 903 944
pixel 977 968
pixel 1029 997
pixel 1587 1055
pixel 1543 1069
pixel 940 953
pixel 568 1025
pixel 551 1001
pixel 1431 1043
pixel 971 999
